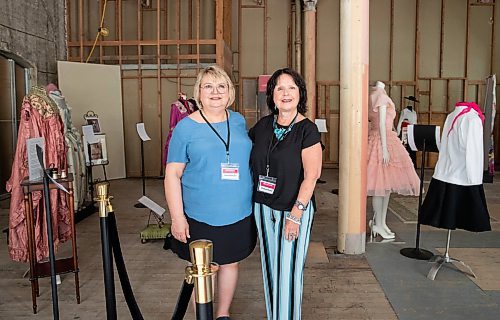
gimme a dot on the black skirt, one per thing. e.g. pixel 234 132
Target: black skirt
pixel 451 206
pixel 231 243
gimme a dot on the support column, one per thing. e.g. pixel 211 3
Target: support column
pixel 354 46
pixel 310 55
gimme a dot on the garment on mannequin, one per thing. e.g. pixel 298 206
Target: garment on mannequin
pixel 39 117
pixel 75 156
pixel 408 116
pixel 179 109
pixel 389 167
pixel 455 198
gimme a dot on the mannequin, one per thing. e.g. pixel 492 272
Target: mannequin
pixel 380 204
pixel 39 117
pixel 407 117
pixel 75 156
pixel 455 198
pixel 389 166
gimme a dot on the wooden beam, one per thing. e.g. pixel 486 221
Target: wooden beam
pixel 139 61
pixel 240 78
pixel 198 23
pixel 80 28
pixel 391 44
pixel 492 40
pixel 264 61
pixel 144 42
pixel 441 42
pixel 158 82
pixel 467 32
pixel 219 28
pixel 417 51
pixel 178 36
pixel 101 16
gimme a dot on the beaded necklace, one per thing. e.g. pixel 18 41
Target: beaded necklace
pixel 281 133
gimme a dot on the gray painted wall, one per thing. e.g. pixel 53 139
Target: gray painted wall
pixel 35 31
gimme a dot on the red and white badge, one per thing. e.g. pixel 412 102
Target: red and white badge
pixel 230 171
pixel 266 184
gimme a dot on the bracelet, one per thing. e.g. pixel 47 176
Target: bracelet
pixel 292 218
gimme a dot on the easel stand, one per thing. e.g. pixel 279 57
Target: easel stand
pixel 138 204
pixel 440 260
pixel 89 173
pixel 417 253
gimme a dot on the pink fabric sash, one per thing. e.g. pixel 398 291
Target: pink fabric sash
pixel 470 106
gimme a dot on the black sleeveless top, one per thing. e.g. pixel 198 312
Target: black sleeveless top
pixel 285 161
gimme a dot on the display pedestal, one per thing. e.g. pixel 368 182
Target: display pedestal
pixel 440 260
pixel 423 138
pixel 64 265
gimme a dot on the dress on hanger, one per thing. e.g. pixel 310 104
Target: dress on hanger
pixel 455 198
pixel 178 111
pixel 399 175
pixel 39 118
pixel 75 156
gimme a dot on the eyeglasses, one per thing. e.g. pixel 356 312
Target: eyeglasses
pixel 209 87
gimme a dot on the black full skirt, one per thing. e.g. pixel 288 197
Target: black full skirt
pixel 451 206
pixel 231 243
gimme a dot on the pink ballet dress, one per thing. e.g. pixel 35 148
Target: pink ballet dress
pixel 398 176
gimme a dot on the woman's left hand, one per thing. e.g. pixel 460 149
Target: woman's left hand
pixel 291 230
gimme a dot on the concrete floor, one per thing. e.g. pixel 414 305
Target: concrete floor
pixel 381 284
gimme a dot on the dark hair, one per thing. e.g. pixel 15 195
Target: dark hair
pixel 299 81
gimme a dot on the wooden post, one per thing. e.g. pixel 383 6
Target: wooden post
pixel 310 54
pixel 354 45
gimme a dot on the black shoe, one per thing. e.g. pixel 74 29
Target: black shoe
pixel 223 318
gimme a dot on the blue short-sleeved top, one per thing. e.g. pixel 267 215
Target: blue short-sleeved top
pixel 206 197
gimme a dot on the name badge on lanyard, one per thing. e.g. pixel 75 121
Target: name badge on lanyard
pixel 230 171
pixel 266 184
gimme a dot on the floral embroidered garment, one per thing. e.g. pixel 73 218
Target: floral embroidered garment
pixel 39 118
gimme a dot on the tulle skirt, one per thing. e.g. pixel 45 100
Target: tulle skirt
pixel 398 176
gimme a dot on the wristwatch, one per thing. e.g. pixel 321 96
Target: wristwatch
pixel 300 205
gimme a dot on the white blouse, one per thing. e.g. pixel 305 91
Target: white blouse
pixel 409 115
pixel 460 158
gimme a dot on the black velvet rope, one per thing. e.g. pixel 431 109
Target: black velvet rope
pixel 183 301
pixel 135 312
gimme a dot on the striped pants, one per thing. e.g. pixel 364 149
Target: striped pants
pixel 282 261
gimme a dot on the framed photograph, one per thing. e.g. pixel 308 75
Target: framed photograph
pixel 94 122
pixel 98 151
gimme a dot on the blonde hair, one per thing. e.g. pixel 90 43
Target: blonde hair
pixel 217 73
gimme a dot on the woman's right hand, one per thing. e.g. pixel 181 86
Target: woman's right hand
pixel 180 229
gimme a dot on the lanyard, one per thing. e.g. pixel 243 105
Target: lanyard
pixel 272 146
pixel 226 144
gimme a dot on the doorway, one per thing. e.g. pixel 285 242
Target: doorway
pixel 14 84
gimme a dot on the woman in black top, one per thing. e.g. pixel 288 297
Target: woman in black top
pixel 286 162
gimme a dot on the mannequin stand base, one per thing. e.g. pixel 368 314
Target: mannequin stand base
pixel 139 205
pixel 440 260
pixel 416 253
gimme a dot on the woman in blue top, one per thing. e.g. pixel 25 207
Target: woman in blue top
pixel 208 183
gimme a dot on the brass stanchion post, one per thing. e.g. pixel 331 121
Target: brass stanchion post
pixel 107 261
pixel 201 271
